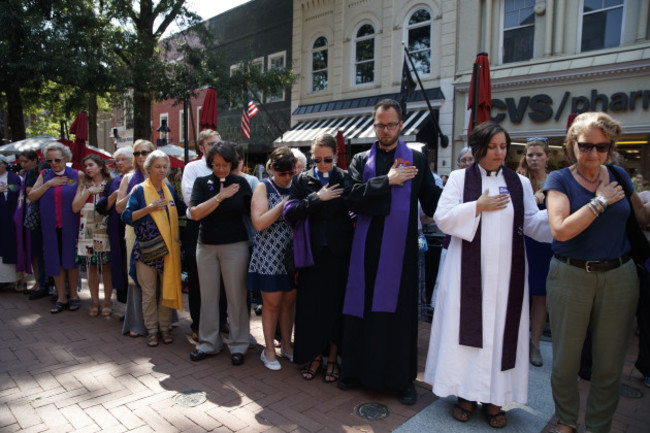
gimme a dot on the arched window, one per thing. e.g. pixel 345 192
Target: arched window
pixel 364 58
pixel 419 40
pixel 319 65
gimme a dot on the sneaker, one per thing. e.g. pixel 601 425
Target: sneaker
pixel 535 355
pixel 271 365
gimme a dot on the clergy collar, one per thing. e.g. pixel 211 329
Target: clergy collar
pixel 490 172
pixel 60 173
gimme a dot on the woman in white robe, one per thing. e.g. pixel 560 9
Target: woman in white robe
pixel 475 374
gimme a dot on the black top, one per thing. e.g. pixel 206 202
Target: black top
pixel 225 224
pixel 329 221
pixel 32 174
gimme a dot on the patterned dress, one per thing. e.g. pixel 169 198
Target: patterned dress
pixel 93 243
pixel 267 271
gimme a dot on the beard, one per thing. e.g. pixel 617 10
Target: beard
pixel 388 140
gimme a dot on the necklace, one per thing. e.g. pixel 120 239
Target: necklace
pixel 589 181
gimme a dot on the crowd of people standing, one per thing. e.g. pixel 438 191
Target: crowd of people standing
pixel 334 254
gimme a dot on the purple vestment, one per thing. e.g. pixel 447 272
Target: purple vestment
pixel 70 223
pixel 23 235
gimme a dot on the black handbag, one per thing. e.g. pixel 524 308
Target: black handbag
pixel 640 248
pixel 33 216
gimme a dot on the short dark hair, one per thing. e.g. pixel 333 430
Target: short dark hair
pixel 226 150
pixel 29 154
pixel 282 159
pixel 324 140
pixel 386 104
pixel 239 149
pixel 480 137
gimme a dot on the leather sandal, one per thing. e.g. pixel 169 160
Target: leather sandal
pixel 58 307
pixel 166 337
pixel 152 340
pixel 331 376
pixel 307 372
pixel 496 420
pixel 460 413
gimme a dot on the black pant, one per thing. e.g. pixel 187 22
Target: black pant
pixel 194 291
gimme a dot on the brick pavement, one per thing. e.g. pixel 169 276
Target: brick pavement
pixel 71 372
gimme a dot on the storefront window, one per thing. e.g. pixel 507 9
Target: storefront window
pixel 601 24
pixel 518 30
pixel 364 60
pixel 319 65
pixel 419 40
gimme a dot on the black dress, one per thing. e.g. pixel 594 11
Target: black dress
pixel 319 299
pixel 380 349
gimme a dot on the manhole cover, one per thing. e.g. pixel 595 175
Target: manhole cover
pixel 630 391
pixel 372 411
pixel 190 398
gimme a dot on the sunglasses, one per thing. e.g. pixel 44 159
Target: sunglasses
pixel 600 147
pixel 142 153
pixel 327 160
pixel 542 139
pixel 53 161
pixel 285 173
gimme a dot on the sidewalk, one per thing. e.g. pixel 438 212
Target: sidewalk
pixel 70 372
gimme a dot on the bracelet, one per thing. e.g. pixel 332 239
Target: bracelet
pixel 598 206
pixel 593 210
pixel 217 197
pixel 602 201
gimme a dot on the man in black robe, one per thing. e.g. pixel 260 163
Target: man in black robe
pixel 380 325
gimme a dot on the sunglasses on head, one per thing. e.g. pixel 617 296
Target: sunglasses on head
pixel 54 161
pixel 285 173
pixel 327 160
pixel 542 139
pixel 600 147
pixel 141 153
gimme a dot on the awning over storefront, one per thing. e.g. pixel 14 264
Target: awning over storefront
pixel 357 127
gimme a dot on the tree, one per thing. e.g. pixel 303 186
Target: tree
pixel 145 67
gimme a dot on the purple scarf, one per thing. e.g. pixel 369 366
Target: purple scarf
pixel 471 318
pixel 393 245
pixel 302 256
pixel 23 236
pixel 137 178
pixel 70 229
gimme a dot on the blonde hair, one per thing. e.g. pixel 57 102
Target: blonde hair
pixel 141 142
pixel 597 120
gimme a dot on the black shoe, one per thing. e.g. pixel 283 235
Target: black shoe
pixel 38 294
pixel 408 396
pixel 347 384
pixel 198 355
pixel 237 358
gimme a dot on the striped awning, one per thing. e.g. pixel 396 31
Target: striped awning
pixel 357 129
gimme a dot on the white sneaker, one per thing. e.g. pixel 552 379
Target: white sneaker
pixel 271 365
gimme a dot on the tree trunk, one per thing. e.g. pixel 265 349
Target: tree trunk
pixel 92 119
pixel 15 120
pixel 141 114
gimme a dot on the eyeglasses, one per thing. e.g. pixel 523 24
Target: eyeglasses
pixel 467 160
pixel 542 139
pixel 600 147
pixel 54 161
pixel 285 173
pixel 389 127
pixel 142 153
pixel 221 166
pixel 327 160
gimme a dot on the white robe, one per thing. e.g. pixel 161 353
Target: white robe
pixel 468 372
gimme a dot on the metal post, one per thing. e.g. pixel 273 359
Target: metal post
pixel 476 70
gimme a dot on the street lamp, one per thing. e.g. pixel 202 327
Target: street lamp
pixel 164 130
pixel 116 139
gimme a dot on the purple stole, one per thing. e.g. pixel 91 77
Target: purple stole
pixel 302 256
pixel 137 178
pixel 23 236
pixel 7 211
pixel 70 223
pixel 471 318
pixel 115 240
pixel 393 245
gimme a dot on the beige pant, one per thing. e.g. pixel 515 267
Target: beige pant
pixel 156 316
pixel 231 262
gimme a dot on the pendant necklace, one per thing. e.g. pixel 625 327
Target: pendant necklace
pixel 589 181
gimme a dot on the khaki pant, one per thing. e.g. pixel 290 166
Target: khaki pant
pixel 231 262
pixel 156 316
pixel 605 302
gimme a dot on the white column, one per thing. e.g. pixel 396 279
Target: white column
pixel 548 40
pixel 559 28
pixel 642 33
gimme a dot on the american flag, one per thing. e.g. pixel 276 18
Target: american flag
pixel 249 111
